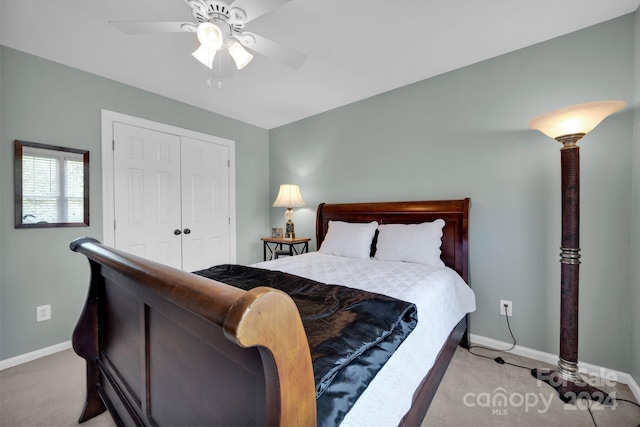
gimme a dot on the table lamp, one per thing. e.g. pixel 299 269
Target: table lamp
pixel 289 197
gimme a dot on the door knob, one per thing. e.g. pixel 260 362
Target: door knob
pixel 186 231
pixel 177 232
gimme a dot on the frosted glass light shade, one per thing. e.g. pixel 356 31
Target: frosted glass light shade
pixel 289 197
pixel 210 35
pixel 204 55
pixel 240 55
pixel 581 118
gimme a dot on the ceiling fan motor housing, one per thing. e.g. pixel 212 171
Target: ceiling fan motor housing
pixel 216 10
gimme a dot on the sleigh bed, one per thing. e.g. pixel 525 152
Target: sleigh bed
pixel 166 347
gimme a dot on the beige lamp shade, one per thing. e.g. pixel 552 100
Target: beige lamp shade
pixel 577 119
pixel 289 197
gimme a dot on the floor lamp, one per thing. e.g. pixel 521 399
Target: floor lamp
pixel 567 126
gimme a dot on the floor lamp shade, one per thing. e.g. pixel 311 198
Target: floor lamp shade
pixel 289 197
pixel 577 119
pixel 567 125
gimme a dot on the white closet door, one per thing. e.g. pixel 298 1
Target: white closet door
pixel 205 204
pixel 147 193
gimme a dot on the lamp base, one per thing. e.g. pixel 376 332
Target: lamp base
pixel 289 232
pixel 570 391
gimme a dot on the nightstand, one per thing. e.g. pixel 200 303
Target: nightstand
pixel 297 245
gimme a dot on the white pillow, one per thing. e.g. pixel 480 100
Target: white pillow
pixel 349 239
pixel 419 243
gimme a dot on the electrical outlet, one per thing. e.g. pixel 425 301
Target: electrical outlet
pixel 43 312
pixel 509 308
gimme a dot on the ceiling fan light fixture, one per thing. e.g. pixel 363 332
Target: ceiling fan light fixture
pixel 210 35
pixel 204 55
pixel 240 55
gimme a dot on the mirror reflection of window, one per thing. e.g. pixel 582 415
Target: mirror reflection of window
pixel 53 187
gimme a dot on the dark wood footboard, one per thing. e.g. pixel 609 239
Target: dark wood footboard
pixel 166 347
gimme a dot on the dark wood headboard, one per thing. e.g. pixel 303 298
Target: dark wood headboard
pixel 455 213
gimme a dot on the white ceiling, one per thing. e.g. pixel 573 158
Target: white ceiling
pixel 356 48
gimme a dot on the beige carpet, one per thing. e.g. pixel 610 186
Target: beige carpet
pixel 476 391
pixel 50 392
pixel 46 392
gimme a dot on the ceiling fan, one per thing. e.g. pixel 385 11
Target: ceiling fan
pixel 220 29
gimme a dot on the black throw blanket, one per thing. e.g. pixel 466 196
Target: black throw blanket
pixel 351 333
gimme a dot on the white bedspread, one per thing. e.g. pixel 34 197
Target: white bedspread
pixel 442 298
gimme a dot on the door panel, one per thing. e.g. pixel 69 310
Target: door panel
pixel 147 193
pixel 205 207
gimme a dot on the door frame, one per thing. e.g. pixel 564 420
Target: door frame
pixel 108 118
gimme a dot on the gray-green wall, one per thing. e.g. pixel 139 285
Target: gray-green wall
pixel 465 133
pixel 460 134
pixel 46 102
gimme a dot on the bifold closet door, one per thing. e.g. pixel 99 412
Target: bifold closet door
pixel 171 196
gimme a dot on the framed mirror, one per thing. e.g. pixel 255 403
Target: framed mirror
pixel 51 186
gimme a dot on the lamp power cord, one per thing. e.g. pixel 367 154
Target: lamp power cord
pixel 499 360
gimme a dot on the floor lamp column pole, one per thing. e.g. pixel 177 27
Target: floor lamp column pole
pixel 569 257
pixel 566 378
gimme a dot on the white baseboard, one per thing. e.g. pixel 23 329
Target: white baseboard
pixel 28 357
pixel 635 388
pixel 585 368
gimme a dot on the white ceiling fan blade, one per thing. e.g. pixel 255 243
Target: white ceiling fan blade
pixel 256 8
pixel 144 27
pixel 281 53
